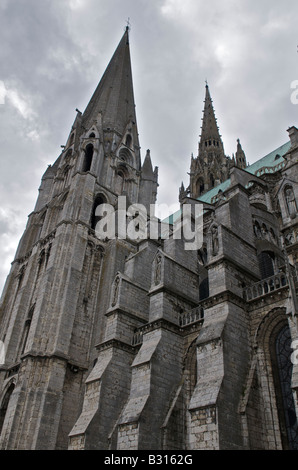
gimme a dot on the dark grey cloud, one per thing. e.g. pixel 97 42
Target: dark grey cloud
pixel 54 52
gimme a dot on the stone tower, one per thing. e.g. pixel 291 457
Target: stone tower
pixel 135 342
pixel 57 294
pixel 211 167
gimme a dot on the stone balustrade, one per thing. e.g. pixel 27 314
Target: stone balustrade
pixel 137 338
pixel 191 316
pixel 265 286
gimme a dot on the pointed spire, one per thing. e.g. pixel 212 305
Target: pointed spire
pixel 211 167
pixel 240 156
pixel 147 169
pixel 114 96
pixel 210 133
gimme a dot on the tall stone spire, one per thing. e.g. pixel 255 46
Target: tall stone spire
pixel 211 167
pixel 210 133
pixel 114 96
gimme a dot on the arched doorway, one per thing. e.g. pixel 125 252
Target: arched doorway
pixel 281 352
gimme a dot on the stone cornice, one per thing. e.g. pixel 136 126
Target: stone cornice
pixel 225 296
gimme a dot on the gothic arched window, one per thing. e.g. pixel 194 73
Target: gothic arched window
pixel 122 174
pixel 125 156
pixel 257 230
pixel 200 186
pixel 100 199
pixel 26 330
pixel 20 275
pixel 88 158
pixel 266 264
pixel 4 404
pixel 128 140
pixel 204 289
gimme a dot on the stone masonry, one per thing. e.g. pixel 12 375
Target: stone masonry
pixel 134 343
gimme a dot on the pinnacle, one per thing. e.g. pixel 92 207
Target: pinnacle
pixel 147 169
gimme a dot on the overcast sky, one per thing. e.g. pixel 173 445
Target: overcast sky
pixel 54 52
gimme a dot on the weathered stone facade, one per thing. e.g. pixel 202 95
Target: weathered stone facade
pixel 122 343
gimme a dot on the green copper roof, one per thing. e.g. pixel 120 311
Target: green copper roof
pixel 268 164
pixel 271 160
pixel 172 218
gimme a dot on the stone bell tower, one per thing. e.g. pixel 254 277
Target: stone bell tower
pixel 211 167
pixel 54 302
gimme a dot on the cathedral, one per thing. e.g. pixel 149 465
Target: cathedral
pixel 135 342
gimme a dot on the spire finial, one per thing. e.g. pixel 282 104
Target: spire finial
pixel 128 25
pixel 206 81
